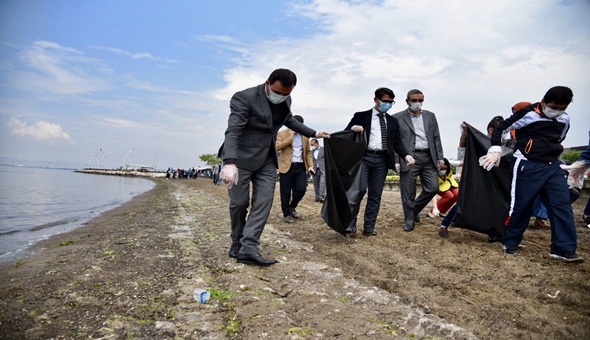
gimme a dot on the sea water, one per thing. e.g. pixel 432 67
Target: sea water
pixel 36 203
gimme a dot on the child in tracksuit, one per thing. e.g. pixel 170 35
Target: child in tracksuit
pixel 540 129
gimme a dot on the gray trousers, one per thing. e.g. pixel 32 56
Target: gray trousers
pixel 319 184
pixel 424 168
pixel 247 228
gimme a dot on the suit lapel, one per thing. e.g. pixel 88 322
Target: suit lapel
pixel 408 120
pixel 264 106
pixel 369 120
pixel 388 119
pixel 426 120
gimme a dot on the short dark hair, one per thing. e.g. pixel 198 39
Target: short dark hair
pixel 285 77
pixel 495 121
pixel 298 117
pixel 414 91
pixel 382 91
pixel 558 95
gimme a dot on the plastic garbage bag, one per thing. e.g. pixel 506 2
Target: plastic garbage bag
pixel 484 196
pixel 343 153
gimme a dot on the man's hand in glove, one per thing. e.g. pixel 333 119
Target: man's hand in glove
pixel 357 128
pixel 322 134
pixel 229 175
pixel 492 159
pixel 576 171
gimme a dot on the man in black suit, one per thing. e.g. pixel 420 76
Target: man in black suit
pixel 383 138
pixel 249 156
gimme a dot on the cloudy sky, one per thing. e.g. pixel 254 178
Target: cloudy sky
pixel 152 80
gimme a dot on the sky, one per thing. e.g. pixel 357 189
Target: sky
pixel 106 83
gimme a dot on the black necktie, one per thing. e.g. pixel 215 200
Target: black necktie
pixel 383 131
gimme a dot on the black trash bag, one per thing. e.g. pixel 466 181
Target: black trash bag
pixel 343 153
pixel 484 196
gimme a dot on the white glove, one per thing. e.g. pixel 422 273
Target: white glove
pixel 409 161
pixel 397 167
pixel 229 175
pixel 322 134
pixel 492 159
pixel 357 128
pixel 576 172
pixel 435 212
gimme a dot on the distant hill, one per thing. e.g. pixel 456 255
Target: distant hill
pixel 40 164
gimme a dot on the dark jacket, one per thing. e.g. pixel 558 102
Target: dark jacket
pixel 394 142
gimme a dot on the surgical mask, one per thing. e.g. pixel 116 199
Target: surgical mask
pixel 383 106
pixel 551 113
pixel 415 106
pixel 442 173
pixel 275 98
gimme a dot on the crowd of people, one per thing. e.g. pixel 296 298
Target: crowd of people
pixel 408 142
pixel 179 173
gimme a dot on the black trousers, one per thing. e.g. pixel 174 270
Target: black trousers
pixel 293 186
pixel 373 174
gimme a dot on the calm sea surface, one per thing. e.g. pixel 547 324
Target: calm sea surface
pixel 36 203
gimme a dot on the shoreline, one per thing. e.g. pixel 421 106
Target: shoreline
pixel 131 272
pixel 19 244
pixel 115 172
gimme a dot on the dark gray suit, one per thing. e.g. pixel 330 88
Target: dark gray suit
pixel 250 143
pixel 425 166
pixel 319 178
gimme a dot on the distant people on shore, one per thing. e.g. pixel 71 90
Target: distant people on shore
pixel 179 173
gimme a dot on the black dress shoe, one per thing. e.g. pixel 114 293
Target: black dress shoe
pixel 255 260
pixel 234 249
pixel 408 227
pixel 369 233
pixel 417 218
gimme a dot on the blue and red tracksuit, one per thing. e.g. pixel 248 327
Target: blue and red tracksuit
pixel 536 171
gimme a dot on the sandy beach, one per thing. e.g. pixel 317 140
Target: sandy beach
pixel 131 272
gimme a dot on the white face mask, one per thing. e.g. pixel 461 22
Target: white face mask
pixel 415 106
pixel 442 173
pixel 551 113
pixel 275 98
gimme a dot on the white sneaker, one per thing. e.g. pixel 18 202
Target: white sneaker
pixel 566 257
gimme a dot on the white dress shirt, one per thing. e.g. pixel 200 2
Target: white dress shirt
pixel 375 143
pixel 297 149
pixel 421 140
